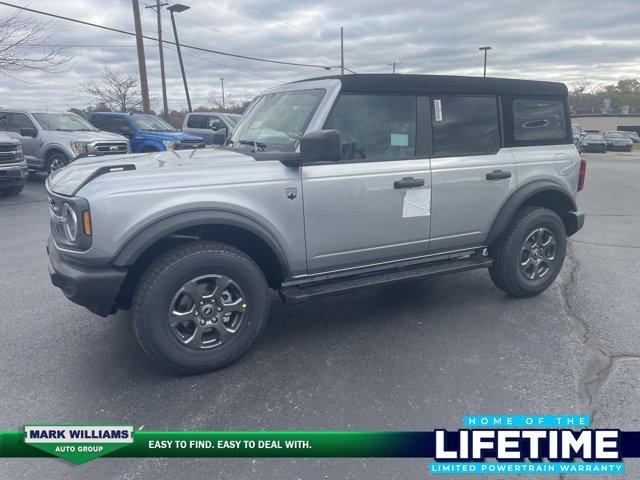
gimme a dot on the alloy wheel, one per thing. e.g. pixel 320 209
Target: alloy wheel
pixel 538 254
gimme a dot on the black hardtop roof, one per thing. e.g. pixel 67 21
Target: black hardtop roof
pixel 443 84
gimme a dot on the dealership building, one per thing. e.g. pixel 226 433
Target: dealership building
pixel 605 122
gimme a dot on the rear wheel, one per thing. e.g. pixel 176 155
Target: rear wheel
pixel 199 307
pixel 530 254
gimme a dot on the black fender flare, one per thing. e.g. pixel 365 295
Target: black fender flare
pixel 519 197
pixel 148 235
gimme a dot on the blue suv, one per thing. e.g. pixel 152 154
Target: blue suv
pixel 146 133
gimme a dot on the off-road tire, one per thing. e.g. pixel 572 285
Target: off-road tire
pixel 506 253
pixel 11 190
pixel 163 278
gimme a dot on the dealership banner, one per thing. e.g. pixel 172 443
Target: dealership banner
pixel 486 445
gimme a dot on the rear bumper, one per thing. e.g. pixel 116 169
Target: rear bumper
pixel 573 222
pixel 95 288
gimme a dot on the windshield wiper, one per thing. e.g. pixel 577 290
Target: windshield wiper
pixel 256 145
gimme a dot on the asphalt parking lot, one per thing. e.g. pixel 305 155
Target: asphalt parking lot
pixel 415 356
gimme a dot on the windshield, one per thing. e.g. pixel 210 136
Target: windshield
pixel 593 136
pixel 233 119
pixel 65 122
pixel 275 122
pixel 149 123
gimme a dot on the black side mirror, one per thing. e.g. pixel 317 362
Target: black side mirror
pixel 220 136
pixel 321 146
pixel 28 132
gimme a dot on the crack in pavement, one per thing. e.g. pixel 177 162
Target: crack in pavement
pixel 594 377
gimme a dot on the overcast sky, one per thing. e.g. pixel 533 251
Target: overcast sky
pixel 551 40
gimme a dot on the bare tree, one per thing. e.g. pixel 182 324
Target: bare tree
pixel 232 104
pixel 119 91
pixel 24 45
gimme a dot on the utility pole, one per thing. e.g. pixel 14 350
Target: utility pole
pixel 177 8
pixel 395 64
pixel 484 74
pixel 342 50
pixel 224 107
pixel 142 66
pixel 158 7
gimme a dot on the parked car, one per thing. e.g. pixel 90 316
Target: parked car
pixel 635 138
pixel 619 141
pixel 51 140
pixel 577 132
pixel 205 124
pixel 328 185
pixel 593 142
pixel 13 166
pixel 146 133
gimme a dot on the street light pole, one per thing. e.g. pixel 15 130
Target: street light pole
pixel 394 64
pixel 177 8
pixel 484 74
pixel 224 107
pixel 341 50
pixel 157 7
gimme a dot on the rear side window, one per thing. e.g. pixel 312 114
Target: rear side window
pixel 197 121
pixel 465 126
pixel 375 127
pixel 538 119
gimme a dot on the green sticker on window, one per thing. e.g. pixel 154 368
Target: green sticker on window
pixel 399 140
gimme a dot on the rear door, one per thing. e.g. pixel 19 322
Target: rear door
pixel 372 206
pixel 472 174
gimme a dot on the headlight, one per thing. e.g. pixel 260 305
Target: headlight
pixel 79 147
pixel 170 144
pixel 70 223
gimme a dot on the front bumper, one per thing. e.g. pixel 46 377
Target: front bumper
pixel 13 175
pixel 95 288
pixel 573 221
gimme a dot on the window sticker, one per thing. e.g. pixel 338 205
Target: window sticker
pixel 417 203
pixel 437 109
pixel 399 140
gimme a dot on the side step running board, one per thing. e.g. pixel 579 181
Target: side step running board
pixel 300 293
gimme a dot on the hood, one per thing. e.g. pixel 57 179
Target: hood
pixel 7 139
pixel 174 136
pixel 139 167
pixel 83 136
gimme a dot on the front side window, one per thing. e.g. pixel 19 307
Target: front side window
pixel 538 119
pixel 277 121
pixel 465 126
pixel 19 121
pixel 63 122
pixel 375 127
pixel 149 123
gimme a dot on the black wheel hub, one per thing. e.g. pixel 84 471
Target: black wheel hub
pixel 207 311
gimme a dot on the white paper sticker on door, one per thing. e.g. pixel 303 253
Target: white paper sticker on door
pixel 417 203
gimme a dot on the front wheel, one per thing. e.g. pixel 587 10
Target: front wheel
pixel 11 190
pixel 199 307
pixel 56 161
pixel 529 255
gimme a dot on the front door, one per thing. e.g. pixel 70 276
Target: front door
pixel 472 176
pixel 12 123
pixel 373 206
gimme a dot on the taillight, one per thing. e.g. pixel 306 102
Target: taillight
pixel 583 173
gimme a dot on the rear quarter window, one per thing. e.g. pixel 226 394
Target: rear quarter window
pixel 538 119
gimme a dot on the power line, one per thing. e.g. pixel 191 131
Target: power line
pixel 202 49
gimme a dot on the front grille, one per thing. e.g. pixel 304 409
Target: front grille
pixel 8 153
pixel 189 144
pixel 111 148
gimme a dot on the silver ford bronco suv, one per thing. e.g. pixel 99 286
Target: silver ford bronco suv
pixel 327 185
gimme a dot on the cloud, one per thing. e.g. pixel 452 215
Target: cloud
pixel 547 40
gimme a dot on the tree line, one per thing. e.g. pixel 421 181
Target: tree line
pixel 588 97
